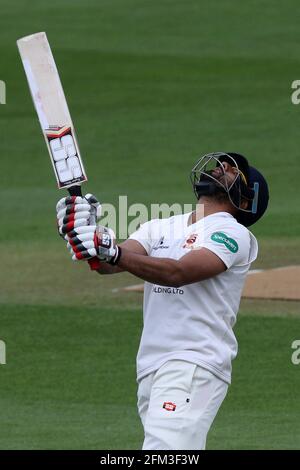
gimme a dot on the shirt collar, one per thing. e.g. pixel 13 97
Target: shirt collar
pixel 215 214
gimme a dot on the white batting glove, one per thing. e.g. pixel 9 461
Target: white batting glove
pixel 75 211
pixel 92 241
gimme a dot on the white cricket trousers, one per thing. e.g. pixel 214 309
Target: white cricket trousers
pixel 177 405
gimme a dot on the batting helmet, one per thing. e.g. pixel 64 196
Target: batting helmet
pixel 249 184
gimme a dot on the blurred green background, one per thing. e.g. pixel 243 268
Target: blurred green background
pixel 151 86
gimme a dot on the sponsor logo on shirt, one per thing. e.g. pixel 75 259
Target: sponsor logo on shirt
pixel 189 242
pixel 160 244
pixel 169 406
pixel 230 243
pixel 167 290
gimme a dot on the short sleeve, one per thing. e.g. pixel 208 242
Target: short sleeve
pixel 143 236
pixel 233 244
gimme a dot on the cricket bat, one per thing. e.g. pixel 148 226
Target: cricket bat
pixel 53 112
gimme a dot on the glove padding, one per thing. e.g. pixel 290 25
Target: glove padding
pixel 91 241
pixel 75 211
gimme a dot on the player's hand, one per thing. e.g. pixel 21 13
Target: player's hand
pixel 76 211
pixel 91 241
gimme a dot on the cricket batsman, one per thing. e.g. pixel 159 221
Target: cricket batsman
pixel 194 267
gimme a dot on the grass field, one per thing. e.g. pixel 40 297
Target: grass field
pixel 151 86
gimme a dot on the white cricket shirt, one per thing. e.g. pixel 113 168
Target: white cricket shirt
pixel 195 322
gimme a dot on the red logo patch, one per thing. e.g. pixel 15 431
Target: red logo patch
pixel 191 240
pixel 169 406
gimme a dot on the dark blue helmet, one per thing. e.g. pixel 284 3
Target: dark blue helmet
pixel 260 201
pixel 249 184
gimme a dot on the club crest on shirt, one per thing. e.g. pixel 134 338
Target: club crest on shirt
pixel 189 242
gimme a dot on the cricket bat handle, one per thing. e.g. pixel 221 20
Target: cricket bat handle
pixel 75 190
pixel 93 262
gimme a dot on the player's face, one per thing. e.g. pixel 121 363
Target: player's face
pixel 225 173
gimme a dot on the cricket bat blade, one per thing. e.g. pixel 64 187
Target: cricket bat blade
pixel 53 112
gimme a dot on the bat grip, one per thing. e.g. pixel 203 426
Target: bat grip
pixel 75 190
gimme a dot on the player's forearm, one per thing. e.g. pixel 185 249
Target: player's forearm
pixel 106 268
pixel 163 271
pixel 130 245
